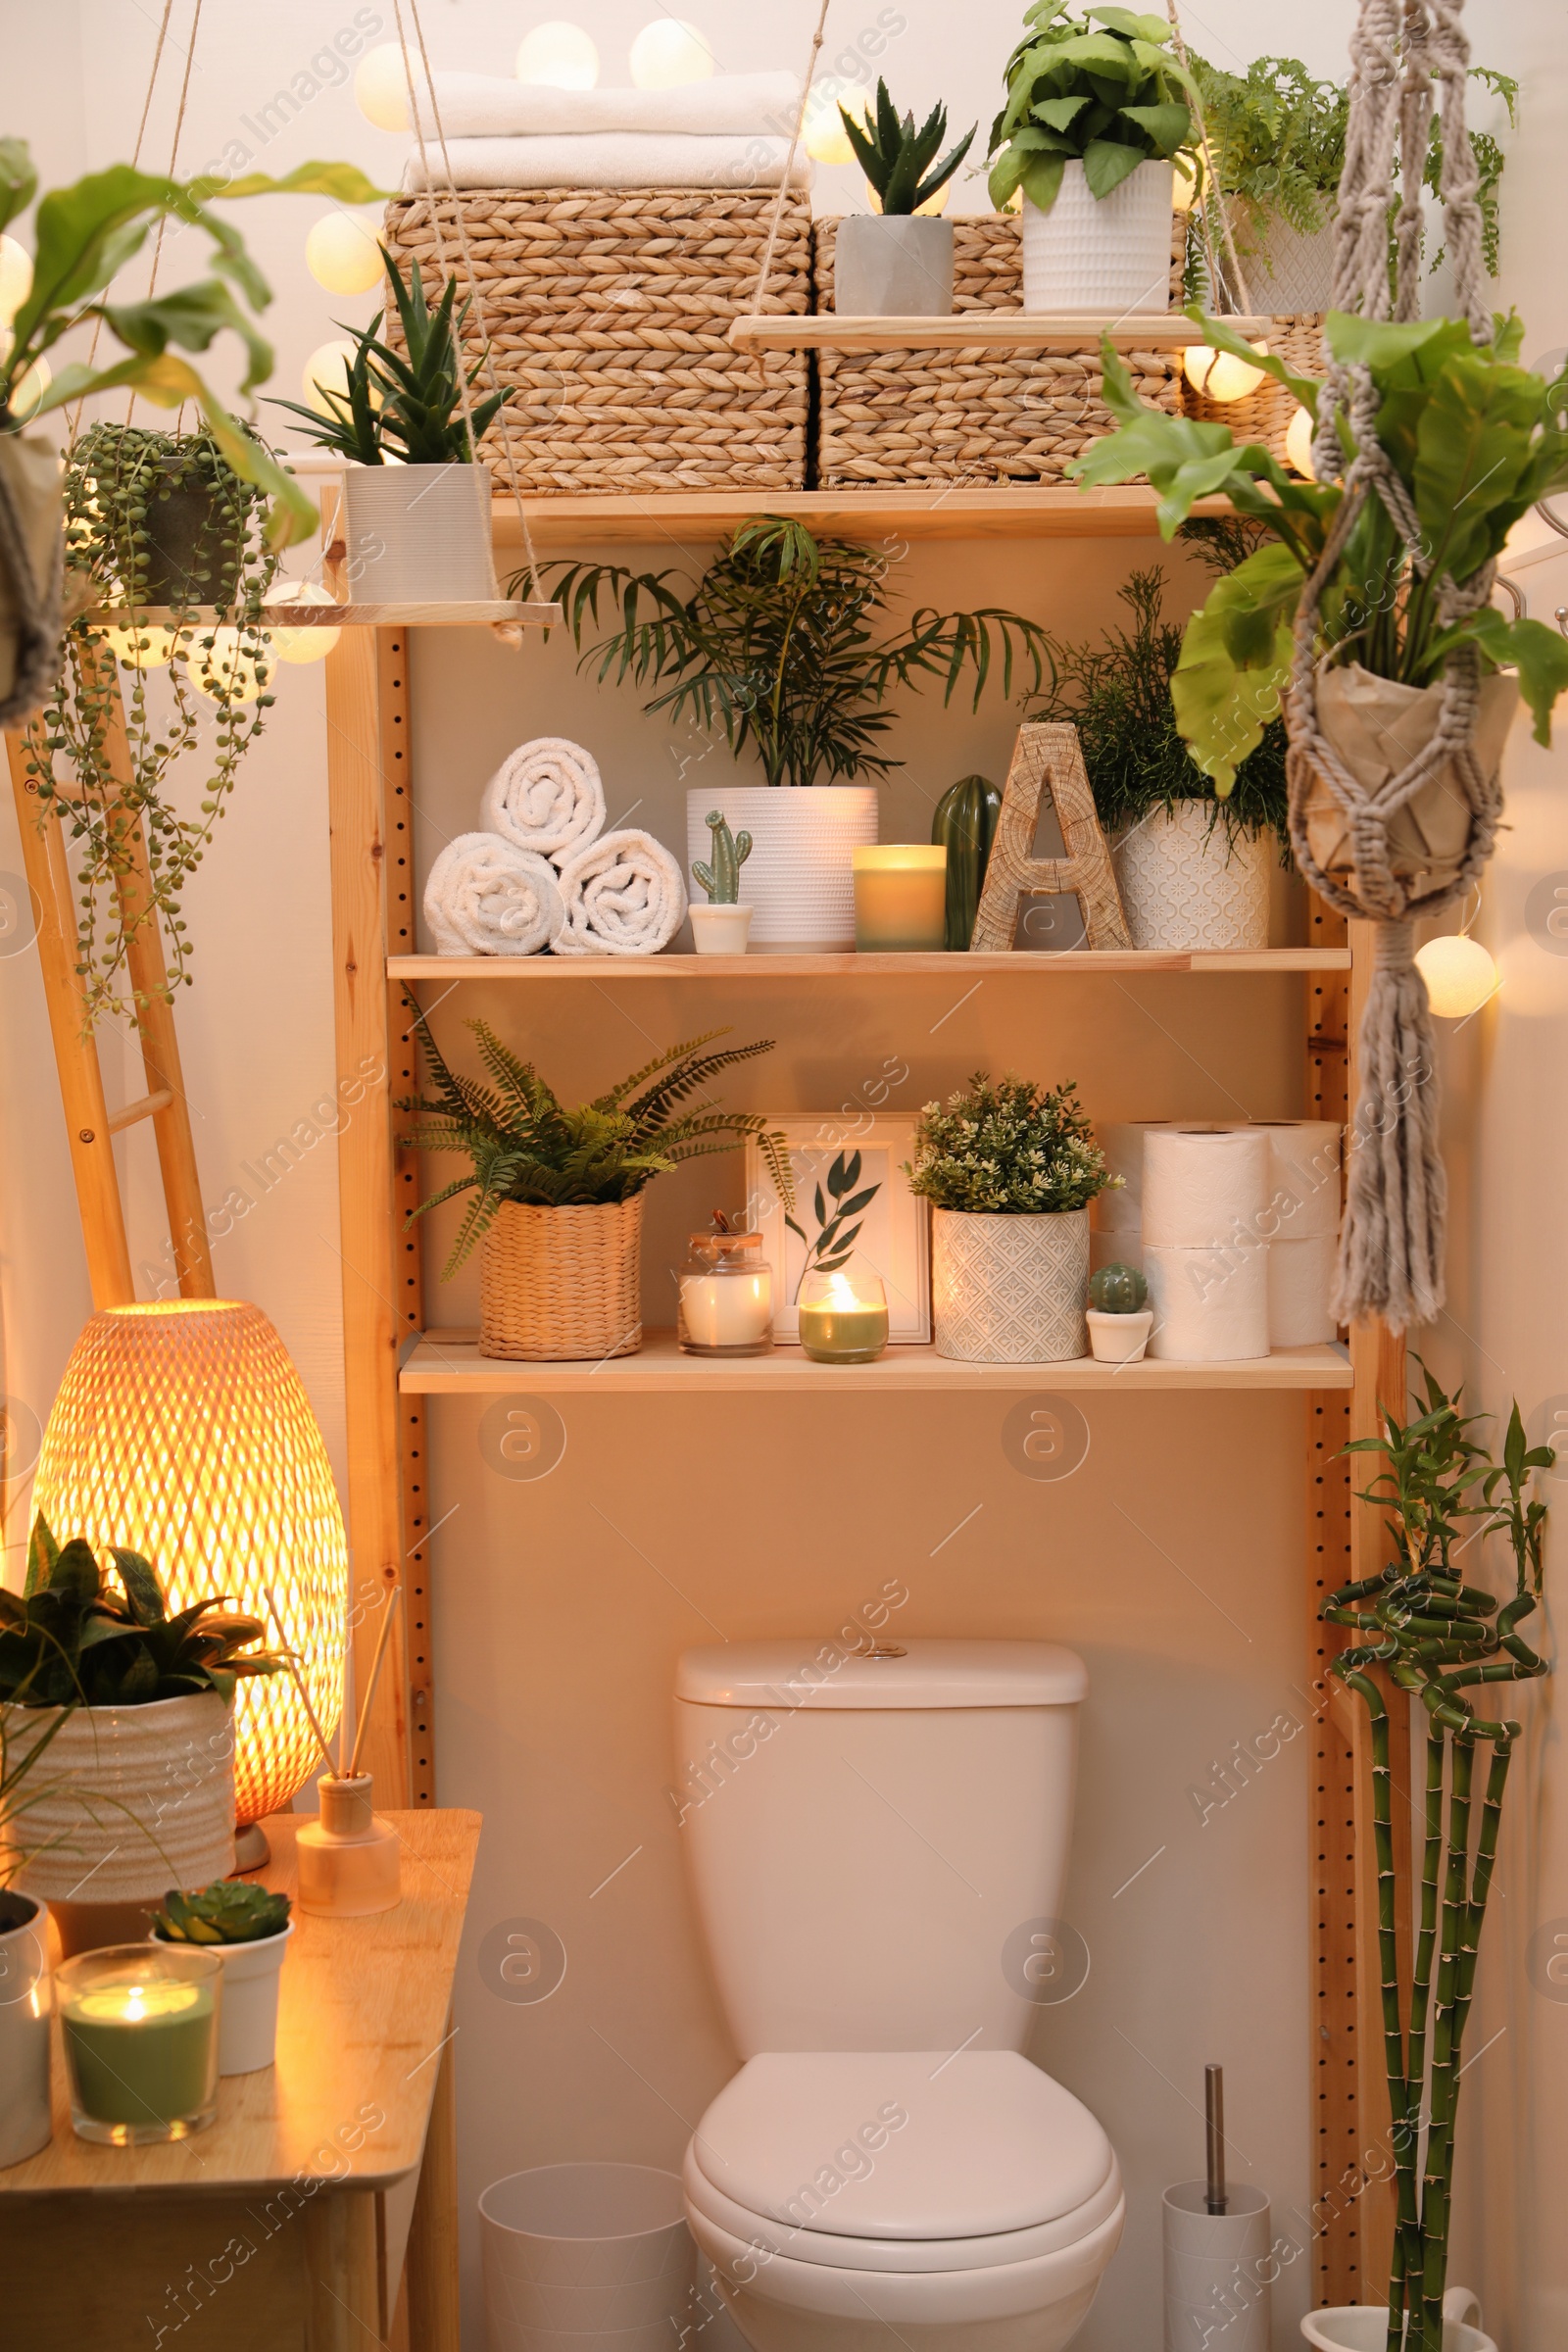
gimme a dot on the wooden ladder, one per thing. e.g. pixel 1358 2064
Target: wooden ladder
pixel 91 1126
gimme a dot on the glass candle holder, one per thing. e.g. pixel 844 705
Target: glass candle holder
pixel 139 2023
pixel 844 1317
pixel 726 1297
pixel 900 896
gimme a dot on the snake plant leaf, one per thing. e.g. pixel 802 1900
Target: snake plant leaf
pixel 1107 163
pixel 143 1592
pixel 42 1553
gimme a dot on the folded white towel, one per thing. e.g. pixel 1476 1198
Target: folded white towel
pixel 480 106
pixel 485 897
pixel 547 797
pixel 613 159
pixel 624 896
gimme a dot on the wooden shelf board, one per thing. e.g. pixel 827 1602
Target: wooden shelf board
pixel 967 330
pixel 473 615
pixel 933 966
pixel 950 511
pixel 440 1367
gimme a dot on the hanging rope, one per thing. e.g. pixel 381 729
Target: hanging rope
pixel 782 197
pixel 1212 186
pixel 173 157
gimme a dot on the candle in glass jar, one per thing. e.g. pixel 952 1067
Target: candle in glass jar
pixel 142 2047
pixel 727 1296
pixel 900 896
pixel 842 1321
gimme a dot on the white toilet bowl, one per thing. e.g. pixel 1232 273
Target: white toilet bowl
pixel 853 2200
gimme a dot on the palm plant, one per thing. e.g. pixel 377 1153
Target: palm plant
pixel 774 645
pixel 895 156
pixel 1436 1636
pixel 527 1146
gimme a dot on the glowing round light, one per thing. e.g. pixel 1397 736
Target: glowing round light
pixel 558 57
pixel 16 279
pixel 381 87
pixel 141 649
pixel 301 644
pixel 825 141
pixel 329 365
pixel 669 52
pixel 341 253
pixel 229 669
pixel 1184 191
pixel 1218 375
pixel 1459 975
pixel 1298 445
pixel 31 385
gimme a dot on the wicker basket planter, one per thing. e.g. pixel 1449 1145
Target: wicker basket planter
pixel 986 414
pixel 1297 338
pixel 562 1285
pixel 610 311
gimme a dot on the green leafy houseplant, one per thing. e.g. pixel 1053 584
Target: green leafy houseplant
pixel 898 160
pixel 1435 1637
pixel 1101 89
pixel 1007 1145
pixel 1475 439
pixel 408 403
pixel 229 1911
pixel 774 645
pixel 525 1144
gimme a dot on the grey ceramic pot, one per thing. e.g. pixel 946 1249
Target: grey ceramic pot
pixel 893 265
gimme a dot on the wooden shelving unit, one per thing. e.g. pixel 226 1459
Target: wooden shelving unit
pixel 1032 511
pixel 977 330
pixel 1073 962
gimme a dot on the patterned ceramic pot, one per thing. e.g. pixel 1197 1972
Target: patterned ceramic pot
pixel 1010 1290
pixel 130 1800
pixel 1100 253
pixel 1185 884
pixel 799 880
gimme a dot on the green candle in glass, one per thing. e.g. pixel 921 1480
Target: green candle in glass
pixel 139 2026
pixel 843 1317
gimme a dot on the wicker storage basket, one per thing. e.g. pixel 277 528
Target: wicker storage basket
pixel 1297 338
pixel 983 414
pixel 562 1285
pixel 610 311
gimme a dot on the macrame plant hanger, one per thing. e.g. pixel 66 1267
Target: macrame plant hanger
pixel 1390 1253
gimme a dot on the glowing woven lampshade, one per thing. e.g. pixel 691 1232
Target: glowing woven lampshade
pixel 184 1432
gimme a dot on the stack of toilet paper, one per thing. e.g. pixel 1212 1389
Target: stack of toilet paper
pixel 1302 1224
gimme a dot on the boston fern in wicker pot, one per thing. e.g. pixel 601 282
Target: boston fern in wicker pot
pixel 558 1192
pixel 1010 1170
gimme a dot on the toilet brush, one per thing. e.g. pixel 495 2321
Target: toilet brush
pixel 1217 2269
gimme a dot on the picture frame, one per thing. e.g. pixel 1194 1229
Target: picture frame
pixel 837 1160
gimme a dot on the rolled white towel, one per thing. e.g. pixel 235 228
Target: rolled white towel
pixel 486 896
pixel 624 896
pixel 547 797
pixel 613 159
pixel 485 105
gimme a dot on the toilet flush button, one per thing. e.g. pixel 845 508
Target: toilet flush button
pixel 885 1649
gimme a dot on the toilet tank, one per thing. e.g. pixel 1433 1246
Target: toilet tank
pixel 877 1841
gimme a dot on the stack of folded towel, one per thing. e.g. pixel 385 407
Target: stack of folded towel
pixel 733 132
pixel 544 874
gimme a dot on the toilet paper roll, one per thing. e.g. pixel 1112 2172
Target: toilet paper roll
pixel 1300 1282
pixel 1204 1187
pixel 1303 1177
pixel 1218 2269
pixel 1210 1306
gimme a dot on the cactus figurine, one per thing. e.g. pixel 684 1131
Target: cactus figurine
pixel 1118 1291
pixel 965 821
pixel 722 878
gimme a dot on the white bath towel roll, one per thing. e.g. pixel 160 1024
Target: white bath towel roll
pixel 624 896
pixel 486 106
pixel 613 159
pixel 485 897
pixel 1303 1177
pixel 1204 1186
pixel 547 797
pixel 1300 1284
pixel 1210 1306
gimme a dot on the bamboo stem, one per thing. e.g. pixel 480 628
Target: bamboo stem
pixel 1435 2188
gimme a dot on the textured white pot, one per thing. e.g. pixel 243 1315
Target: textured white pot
pixel 1109 253
pixel 24 2006
pixel 1010 1290
pixel 1185 884
pixel 133 1799
pixel 1118 1338
pixel 247 2020
pixel 799 879
pixel 720 930
pixel 418 534
pixel 1364 2326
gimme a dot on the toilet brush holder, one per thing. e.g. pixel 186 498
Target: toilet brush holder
pixel 1218 2270
pixel 347 1858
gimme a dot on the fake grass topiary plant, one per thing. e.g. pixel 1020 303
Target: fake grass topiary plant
pixel 1008 1145
pixel 898 160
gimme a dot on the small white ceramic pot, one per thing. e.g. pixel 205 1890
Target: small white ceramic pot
pixel 418 534
pixel 1007 1289
pixel 720 930
pixel 893 265
pixel 1100 253
pixel 1364 2326
pixel 1118 1338
pixel 1185 884
pixel 130 1800
pixel 247 2026
pixel 800 879
pixel 25 2004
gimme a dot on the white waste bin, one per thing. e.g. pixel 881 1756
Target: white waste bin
pixel 586 2258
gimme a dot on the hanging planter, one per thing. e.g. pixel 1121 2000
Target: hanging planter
pixel 419 534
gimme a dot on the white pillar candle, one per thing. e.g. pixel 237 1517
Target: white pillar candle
pixel 900 896
pixel 726 1310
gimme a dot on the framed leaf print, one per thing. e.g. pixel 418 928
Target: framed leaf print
pixel 853 1205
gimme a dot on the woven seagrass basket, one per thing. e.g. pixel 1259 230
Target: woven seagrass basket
pixel 984 414
pixel 1297 338
pixel 562 1285
pixel 608 311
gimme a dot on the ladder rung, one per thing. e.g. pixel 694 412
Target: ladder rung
pixel 143 1107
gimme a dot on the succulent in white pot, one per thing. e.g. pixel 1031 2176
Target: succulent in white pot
pixel 1010 1170
pixel 897 262
pixel 1119 1315
pixel 248 1929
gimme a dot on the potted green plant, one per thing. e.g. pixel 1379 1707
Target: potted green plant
pixel 248 1929
pixel 132 1705
pixel 897 262
pixel 1119 1315
pixel 1097 115
pixel 416 495
pixel 1010 1170
pixel 774 648
pixel 558 1192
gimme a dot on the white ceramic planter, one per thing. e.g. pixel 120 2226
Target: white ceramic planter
pixel 1364 2326
pixel 893 265
pixel 720 930
pixel 1118 1338
pixel 799 879
pixel 134 1800
pixel 1298 275
pixel 1185 884
pixel 418 534
pixel 1010 1290
pixel 247 2026
pixel 1108 253
pixel 25 2004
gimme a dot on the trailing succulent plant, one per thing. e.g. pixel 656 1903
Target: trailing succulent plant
pixel 722 878
pixel 964 824
pixel 1118 1291
pixel 896 159
pixel 70 1639
pixel 229 1911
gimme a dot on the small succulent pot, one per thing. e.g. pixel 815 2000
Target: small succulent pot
pixel 1118 1338
pixel 562 1285
pixel 720 930
pixel 893 265
pixel 419 534
pixel 247 2020
pixel 24 2007
pixel 1008 1288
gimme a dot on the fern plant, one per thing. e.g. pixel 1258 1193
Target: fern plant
pixel 894 157
pixel 527 1146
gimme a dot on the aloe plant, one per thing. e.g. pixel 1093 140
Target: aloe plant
pixel 895 156
pixel 229 1911
pixel 721 879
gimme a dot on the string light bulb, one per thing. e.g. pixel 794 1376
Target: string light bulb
pixel 146 647
pixel 381 87
pixel 31 385
pixel 16 279
pixel 1184 186
pixel 341 253
pixel 669 53
pixel 1299 444
pixel 301 644
pixel 1219 376
pixel 328 365
pixel 826 141
pixel 557 56
pixel 231 668
pixel 1459 973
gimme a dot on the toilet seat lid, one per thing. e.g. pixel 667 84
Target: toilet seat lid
pixel 902 2144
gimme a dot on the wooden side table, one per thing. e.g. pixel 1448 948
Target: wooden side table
pixel 268 2232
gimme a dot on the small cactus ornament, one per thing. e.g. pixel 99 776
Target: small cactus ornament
pixel 1118 1291
pixel 722 879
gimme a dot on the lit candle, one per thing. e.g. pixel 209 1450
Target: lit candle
pixel 141 2031
pixel 843 1322
pixel 726 1297
pixel 900 896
